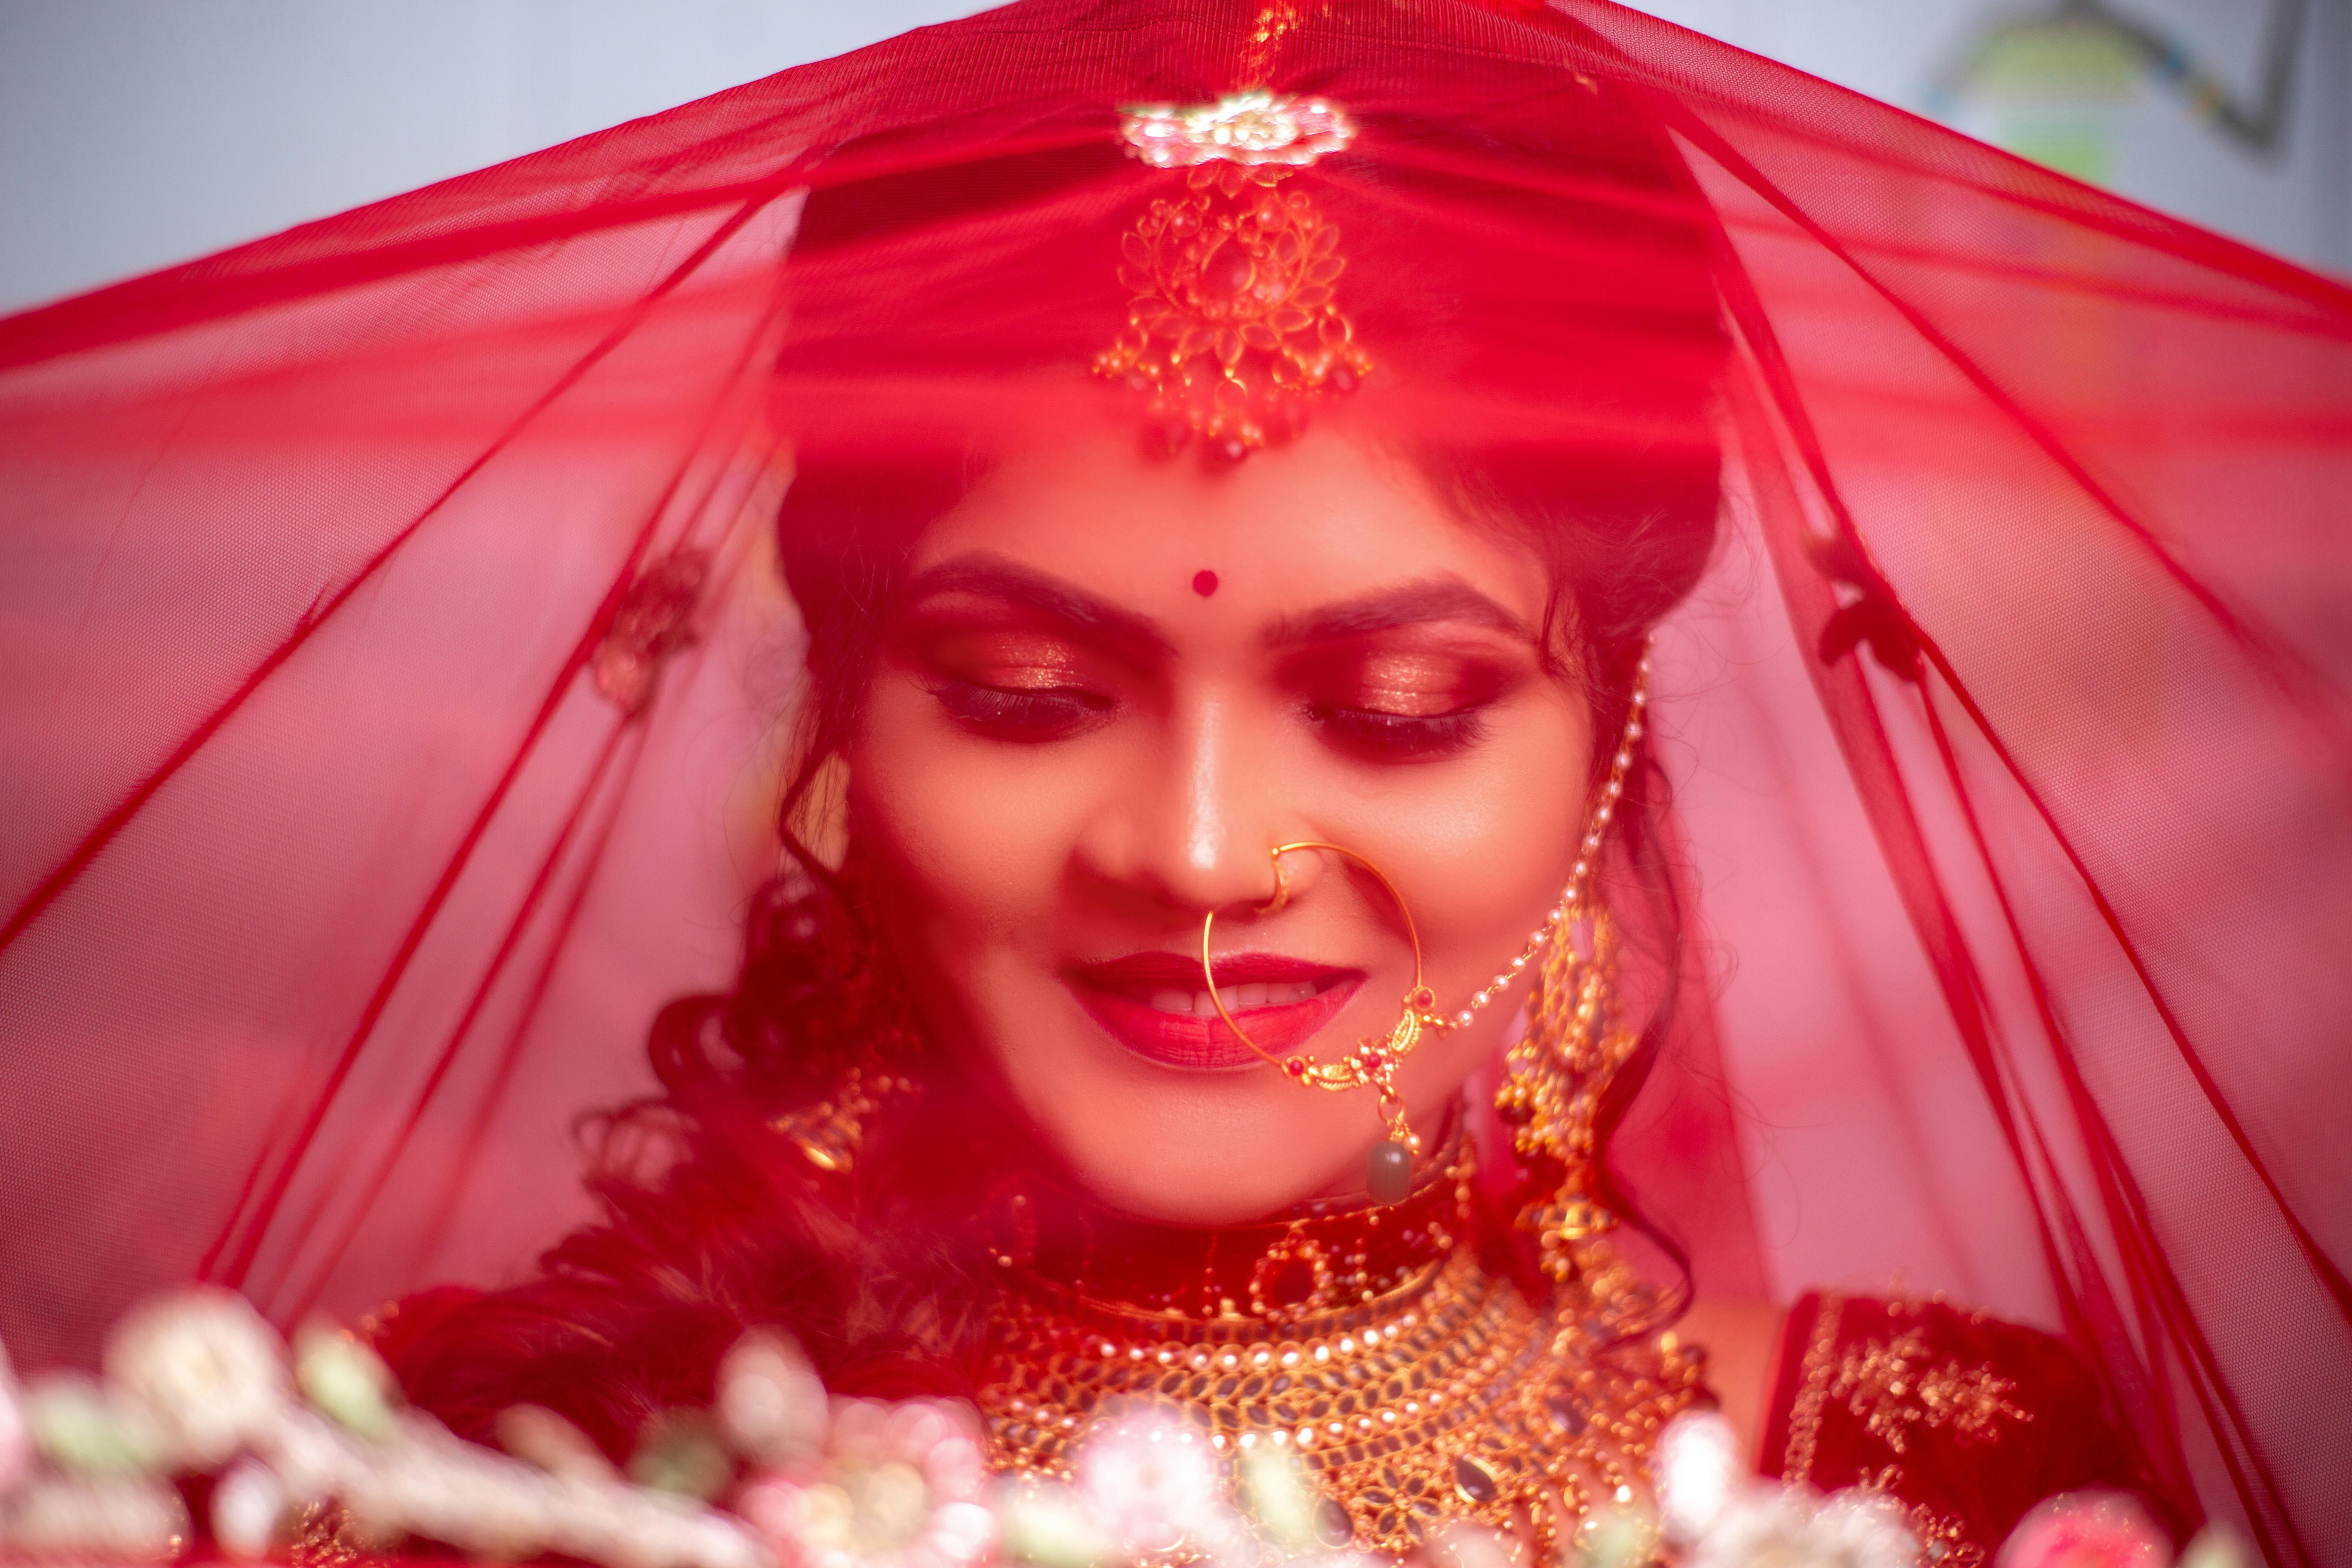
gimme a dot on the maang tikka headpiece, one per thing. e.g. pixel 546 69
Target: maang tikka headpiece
pixel 1232 327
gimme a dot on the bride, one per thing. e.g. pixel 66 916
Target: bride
pixel 1284 509
pixel 1250 734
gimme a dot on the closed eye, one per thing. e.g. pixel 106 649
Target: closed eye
pixel 1029 715
pixel 1378 735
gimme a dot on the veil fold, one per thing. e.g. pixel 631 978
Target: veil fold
pixel 394 674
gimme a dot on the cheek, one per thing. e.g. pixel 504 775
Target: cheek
pixel 970 836
pixel 1485 853
pixel 1481 861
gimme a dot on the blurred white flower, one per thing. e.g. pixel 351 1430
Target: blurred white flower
pixel 1281 1497
pixel 430 1483
pixel 345 1379
pixel 542 1438
pixel 2086 1530
pixel 212 1371
pixel 15 1435
pixel 1045 1523
pixel 682 1451
pixel 1790 1528
pixel 901 1485
pixel 311 1455
pixel 1149 1482
pixel 247 1507
pixel 2216 1546
pixel 200 1380
pixel 771 1403
pixel 1620 1533
pixel 82 1426
pixel 1699 1471
pixel 120 1516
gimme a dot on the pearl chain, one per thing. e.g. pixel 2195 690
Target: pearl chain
pixel 1588 858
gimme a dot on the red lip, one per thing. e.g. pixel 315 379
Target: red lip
pixel 1109 992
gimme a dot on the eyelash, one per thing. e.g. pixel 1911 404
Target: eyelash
pixel 1399 737
pixel 1042 713
pixel 1035 715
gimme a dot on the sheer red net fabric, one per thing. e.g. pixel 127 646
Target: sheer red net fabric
pixel 397 670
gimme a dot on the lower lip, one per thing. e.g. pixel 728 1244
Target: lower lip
pixel 1188 1040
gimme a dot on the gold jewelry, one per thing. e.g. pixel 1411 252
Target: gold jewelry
pixel 1556 1075
pixel 1233 326
pixel 831 1133
pixel 1450 1397
pixel 1588 854
pixel 1374 1062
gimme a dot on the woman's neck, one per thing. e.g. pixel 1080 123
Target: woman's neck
pixel 1314 1258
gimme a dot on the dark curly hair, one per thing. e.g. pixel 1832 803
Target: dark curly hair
pixel 1509 260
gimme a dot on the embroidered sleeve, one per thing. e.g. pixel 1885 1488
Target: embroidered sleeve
pixel 1964 1421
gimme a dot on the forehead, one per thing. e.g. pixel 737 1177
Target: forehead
pixel 1319 520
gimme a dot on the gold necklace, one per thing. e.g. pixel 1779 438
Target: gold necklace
pixel 1448 1397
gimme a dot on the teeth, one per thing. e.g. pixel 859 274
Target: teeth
pixel 1237 998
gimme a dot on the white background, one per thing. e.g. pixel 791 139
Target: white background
pixel 137 132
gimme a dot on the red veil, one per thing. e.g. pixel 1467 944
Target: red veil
pixel 394 663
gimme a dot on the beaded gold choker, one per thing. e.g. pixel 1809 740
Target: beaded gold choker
pixel 1311 1260
pixel 1447 1397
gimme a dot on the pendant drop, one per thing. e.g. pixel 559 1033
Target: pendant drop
pixel 1388 1173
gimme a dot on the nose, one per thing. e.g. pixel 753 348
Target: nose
pixel 1192 833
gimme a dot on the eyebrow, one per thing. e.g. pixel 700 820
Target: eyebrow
pixel 1442 598
pixel 990 576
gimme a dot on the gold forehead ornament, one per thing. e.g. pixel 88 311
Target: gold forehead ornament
pixel 1232 327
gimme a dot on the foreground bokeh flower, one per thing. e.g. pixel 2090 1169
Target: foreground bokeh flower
pixel 85 1429
pixel 209 1369
pixel 1699 1472
pixel 247 1507
pixel 900 1485
pixel 1149 1482
pixel 2086 1530
pixel 771 1403
pixel 122 1517
pixel 345 1379
pixel 1793 1529
pixel 15 1436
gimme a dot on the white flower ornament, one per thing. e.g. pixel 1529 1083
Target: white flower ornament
pixel 1247 127
pixel 15 1434
pixel 212 1371
pixel 902 1486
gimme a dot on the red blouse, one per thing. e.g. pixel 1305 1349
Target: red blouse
pixel 1964 1420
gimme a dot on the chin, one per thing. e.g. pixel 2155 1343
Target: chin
pixel 1156 1163
pixel 1194 1191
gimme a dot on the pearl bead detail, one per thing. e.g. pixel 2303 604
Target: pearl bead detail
pixel 1589 854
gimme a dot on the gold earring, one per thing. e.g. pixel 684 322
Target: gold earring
pixel 1557 1074
pixel 1558 1070
pixel 1374 1061
pixel 831 1133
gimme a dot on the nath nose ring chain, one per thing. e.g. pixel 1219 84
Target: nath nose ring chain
pixel 1373 1062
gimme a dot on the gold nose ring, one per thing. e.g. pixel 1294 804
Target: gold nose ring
pixel 1373 1063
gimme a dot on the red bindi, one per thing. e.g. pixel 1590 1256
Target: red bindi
pixel 1205 584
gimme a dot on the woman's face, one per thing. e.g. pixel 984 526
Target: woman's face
pixel 1114 685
